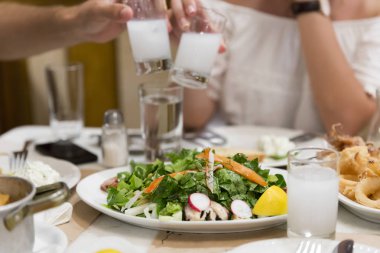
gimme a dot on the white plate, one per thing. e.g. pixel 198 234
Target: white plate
pixel 247 137
pixel 290 246
pixel 89 191
pixel 70 174
pixel 48 239
pixel 364 212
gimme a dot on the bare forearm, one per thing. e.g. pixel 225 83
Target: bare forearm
pixel 338 94
pixel 198 108
pixel 26 30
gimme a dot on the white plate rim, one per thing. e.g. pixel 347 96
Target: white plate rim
pixel 251 246
pixel 359 209
pixel 177 226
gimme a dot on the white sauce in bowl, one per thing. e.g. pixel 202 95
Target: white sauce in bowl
pixel 38 173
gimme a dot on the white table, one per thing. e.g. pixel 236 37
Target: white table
pixel 88 226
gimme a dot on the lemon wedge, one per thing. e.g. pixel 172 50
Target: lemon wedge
pixel 108 251
pixel 274 201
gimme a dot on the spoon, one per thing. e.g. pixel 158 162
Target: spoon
pixel 345 246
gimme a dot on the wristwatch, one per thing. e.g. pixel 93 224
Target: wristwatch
pixel 305 6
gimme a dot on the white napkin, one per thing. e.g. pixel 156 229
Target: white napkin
pixel 57 215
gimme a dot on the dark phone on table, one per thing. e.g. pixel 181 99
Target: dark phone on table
pixel 67 151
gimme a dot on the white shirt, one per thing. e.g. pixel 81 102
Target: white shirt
pixel 262 78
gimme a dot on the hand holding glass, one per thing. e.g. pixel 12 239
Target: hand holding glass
pixel 312 192
pixel 149 36
pixel 198 49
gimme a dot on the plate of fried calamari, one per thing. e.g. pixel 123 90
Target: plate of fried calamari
pixel 359 165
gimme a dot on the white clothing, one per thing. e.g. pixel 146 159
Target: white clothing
pixel 262 78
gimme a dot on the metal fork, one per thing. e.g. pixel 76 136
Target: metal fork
pixel 309 247
pixel 18 158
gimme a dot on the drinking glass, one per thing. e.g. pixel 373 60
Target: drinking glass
pixel 312 192
pixel 374 127
pixel 65 94
pixel 198 49
pixel 149 37
pixel 161 118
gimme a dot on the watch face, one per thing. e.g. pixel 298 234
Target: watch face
pixel 325 7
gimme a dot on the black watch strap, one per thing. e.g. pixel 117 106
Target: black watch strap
pixel 304 7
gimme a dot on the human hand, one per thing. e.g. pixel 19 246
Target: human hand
pixel 181 12
pixel 100 20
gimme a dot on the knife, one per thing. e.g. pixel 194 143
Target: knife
pixel 345 246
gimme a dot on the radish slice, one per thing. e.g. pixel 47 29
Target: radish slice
pixel 241 209
pixel 199 201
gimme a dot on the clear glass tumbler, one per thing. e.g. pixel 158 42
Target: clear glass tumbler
pixel 65 94
pixel 312 192
pixel 149 36
pixel 374 126
pixel 161 118
pixel 198 49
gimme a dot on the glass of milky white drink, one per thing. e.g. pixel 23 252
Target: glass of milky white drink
pixel 161 118
pixel 313 179
pixel 198 49
pixel 148 36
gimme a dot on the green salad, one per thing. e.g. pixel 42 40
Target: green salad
pixel 194 186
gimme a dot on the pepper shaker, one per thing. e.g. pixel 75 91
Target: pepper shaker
pixel 114 140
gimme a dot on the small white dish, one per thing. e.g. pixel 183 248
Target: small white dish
pixel 69 173
pixel 48 239
pixel 286 245
pixel 251 135
pixel 89 191
pixel 364 212
pixel 91 243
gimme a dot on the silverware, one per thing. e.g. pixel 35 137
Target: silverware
pixel 345 246
pixel 304 137
pixel 18 158
pixel 205 138
pixel 309 247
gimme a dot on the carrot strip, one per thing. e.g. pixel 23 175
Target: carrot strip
pixel 237 168
pixel 158 180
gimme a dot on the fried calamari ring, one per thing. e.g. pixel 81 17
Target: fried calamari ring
pixel 366 190
pixel 353 160
pixel 347 185
pixel 341 141
pixel 374 167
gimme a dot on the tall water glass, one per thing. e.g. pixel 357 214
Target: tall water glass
pixel 161 118
pixel 149 36
pixel 198 49
pixel 65 94
pixel 312 192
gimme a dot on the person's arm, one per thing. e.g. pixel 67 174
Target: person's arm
pixel 26 30
pixel 338 94
pixel 198 108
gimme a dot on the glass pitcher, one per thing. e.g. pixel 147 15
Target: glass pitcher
pixel 374 127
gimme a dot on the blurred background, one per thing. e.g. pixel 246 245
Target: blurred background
pixel 109 81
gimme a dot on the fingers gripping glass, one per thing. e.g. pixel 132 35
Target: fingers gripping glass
pixel 198 49
pixel 149 36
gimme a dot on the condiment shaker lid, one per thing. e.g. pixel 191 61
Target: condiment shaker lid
pixel 113 117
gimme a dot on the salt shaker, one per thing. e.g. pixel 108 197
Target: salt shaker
pixel 114 140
